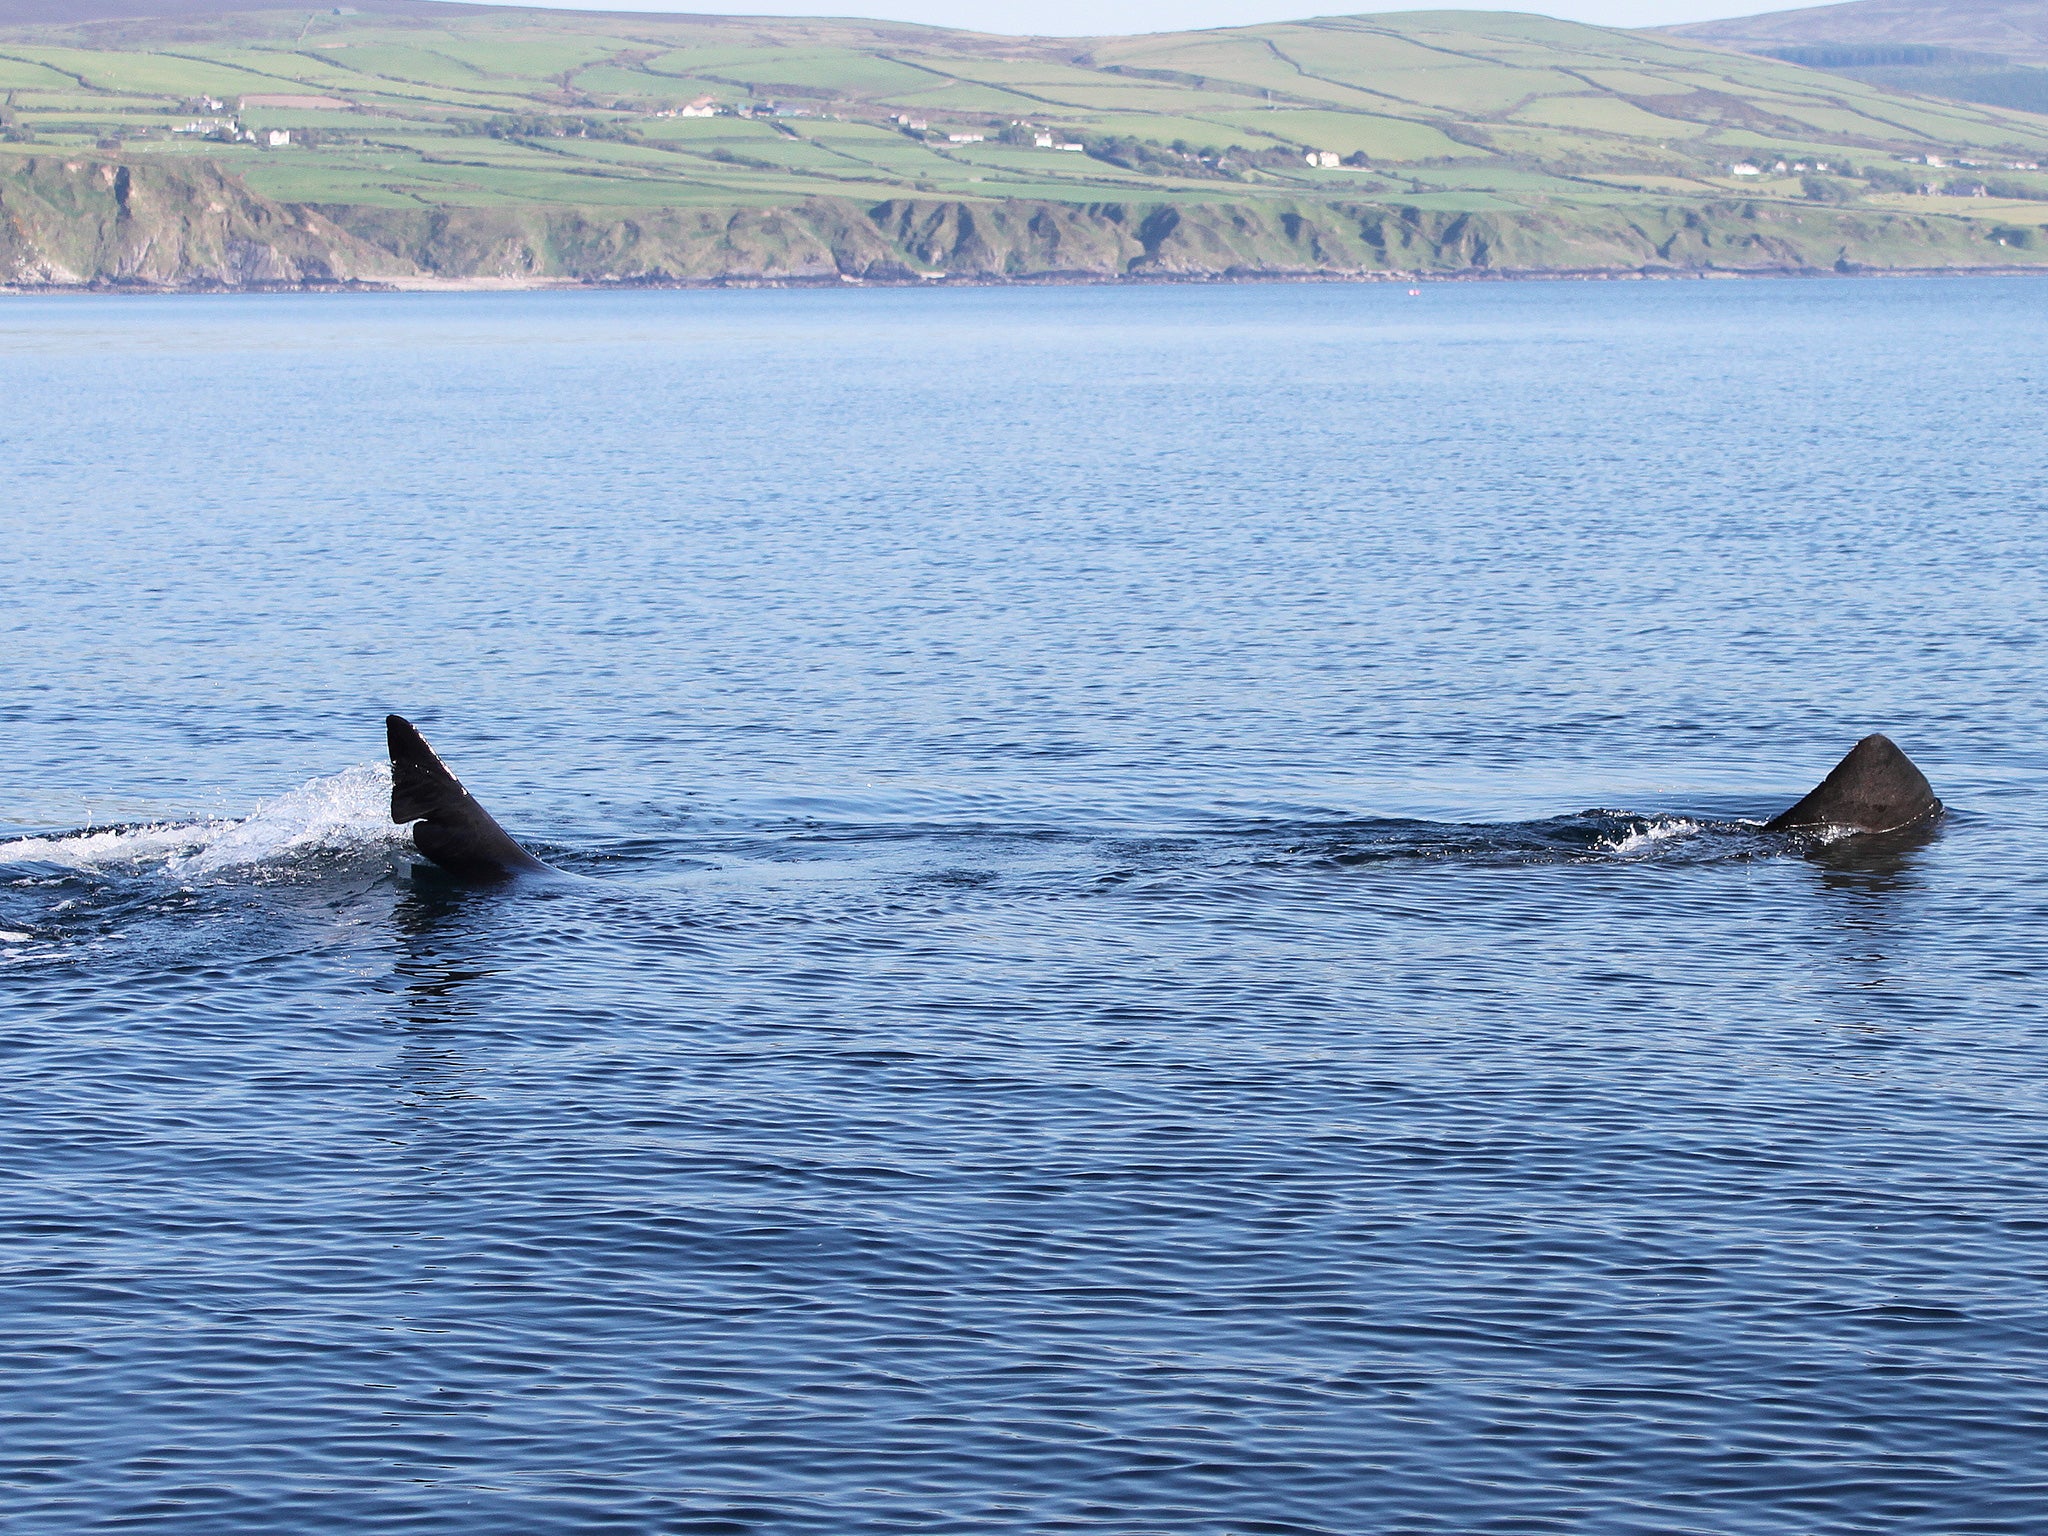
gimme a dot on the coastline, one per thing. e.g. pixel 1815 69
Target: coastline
pixel 537 284
pixel 110 225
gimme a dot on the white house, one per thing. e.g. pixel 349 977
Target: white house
pixel 279 137
pixel 1324 157
pixel 1744 168
pixel 1042 140
pixel 965 138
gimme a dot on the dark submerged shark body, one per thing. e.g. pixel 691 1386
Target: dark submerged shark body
pixel 1875 788
pixel 448 826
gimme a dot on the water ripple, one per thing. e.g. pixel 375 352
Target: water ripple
pixel 1092 1002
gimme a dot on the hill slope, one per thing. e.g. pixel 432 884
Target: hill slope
pixel 2015 30
pixel 1989 52
pixel 401 117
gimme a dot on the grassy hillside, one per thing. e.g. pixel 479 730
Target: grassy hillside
pixel 410 106
pixel 1992 54
pixel 2013 30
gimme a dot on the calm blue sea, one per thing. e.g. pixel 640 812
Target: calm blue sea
pixel 1169 936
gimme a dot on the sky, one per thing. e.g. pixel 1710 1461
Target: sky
pixel 1078 18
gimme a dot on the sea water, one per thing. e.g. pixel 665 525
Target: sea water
pixel 1167 926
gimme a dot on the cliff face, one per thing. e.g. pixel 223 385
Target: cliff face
pixel 900 239
pixel 69 222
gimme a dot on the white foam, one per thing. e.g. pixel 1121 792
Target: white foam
pixel 346 812
pixel 1649 836
pixel 122 846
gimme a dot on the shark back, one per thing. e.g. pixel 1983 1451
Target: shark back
pixel 1876 788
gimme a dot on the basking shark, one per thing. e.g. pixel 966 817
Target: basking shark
pixel 448 826
pixel 1875 788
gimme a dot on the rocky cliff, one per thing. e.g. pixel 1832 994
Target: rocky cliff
pixel 69 222
pixel 77 222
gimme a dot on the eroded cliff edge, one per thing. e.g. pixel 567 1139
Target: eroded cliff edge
pixel 67 222
pixel 72 222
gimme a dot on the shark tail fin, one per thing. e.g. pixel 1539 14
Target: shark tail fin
pixel 448 825
pixel 1876 788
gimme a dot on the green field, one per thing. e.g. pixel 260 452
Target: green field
pixel 432 106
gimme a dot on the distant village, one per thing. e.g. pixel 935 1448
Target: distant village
pixel 1040 138
pixel 1892 181
pixel 231 130
pixel 211 119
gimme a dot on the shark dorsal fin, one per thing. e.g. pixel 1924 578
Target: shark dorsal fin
pixel 1876 788
pixel 448 826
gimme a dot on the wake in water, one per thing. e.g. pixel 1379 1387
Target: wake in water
pixel 343 818
pixel 286 873
pixel 330 850
pixel 1590 837
pixel 343 815
pixel 418 803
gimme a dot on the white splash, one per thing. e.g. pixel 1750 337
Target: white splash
pixel 1649 836
pixel 347 812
